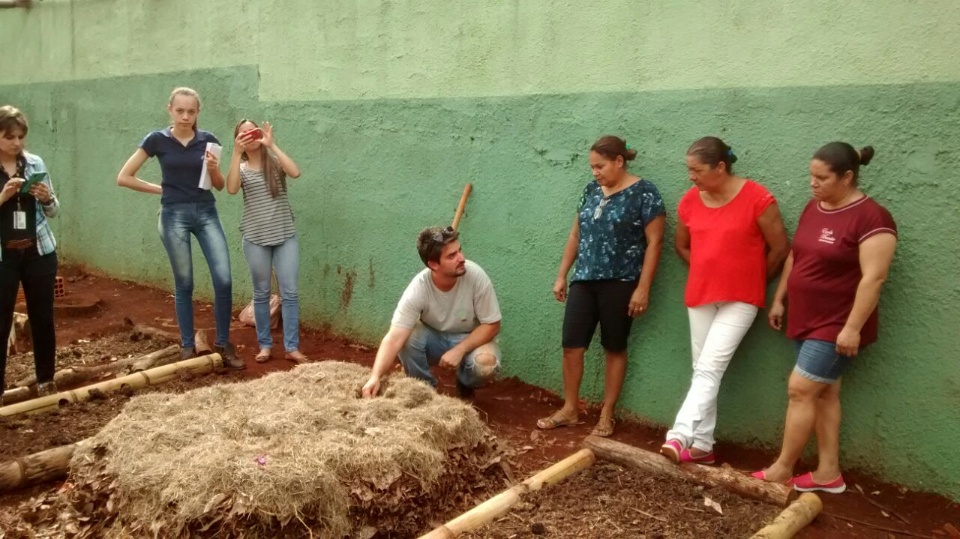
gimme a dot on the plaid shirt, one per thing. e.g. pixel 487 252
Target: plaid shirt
pixel 46 243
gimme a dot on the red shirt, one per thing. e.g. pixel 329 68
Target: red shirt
pixel 728 259
pixel 826 268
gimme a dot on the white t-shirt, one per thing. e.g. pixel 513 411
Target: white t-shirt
pixel 461 309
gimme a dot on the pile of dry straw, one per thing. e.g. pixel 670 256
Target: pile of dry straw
pixel 293 454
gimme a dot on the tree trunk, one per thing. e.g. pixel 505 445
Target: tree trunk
pixel 732 480
pixel 36 468
pixel 793 518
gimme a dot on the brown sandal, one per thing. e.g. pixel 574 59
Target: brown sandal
pixel 604 427
pixel 556 421
pixel 297 357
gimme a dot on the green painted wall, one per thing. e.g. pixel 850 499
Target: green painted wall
pixel 390 107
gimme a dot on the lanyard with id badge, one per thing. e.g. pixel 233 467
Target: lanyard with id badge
pixel 20 216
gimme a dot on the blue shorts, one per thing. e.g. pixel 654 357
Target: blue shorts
pixel 819 361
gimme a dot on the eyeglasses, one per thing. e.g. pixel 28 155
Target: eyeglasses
pixel 599 211
pixel 439 237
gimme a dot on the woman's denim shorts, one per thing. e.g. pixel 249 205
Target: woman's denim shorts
pixel 819 361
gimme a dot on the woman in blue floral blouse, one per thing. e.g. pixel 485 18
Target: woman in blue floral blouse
pixel 615 241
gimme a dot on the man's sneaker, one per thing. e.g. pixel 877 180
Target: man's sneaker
pixel 229 355
pixel 465 392
pixel 47 388
pixel 188 352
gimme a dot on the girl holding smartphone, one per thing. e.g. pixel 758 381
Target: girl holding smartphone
pixel 260 168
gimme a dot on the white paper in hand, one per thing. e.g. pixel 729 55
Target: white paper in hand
pixel 216 150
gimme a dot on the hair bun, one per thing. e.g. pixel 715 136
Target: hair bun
pixel 630 154
pixel 866 155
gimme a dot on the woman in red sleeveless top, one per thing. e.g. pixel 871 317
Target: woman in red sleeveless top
pixel 831 285
pixel 731 235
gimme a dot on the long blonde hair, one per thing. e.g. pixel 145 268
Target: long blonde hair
pixel 189 92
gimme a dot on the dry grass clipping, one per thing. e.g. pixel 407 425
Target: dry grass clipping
pixel 291 454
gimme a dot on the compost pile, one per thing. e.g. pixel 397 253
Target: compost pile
pixel 293 454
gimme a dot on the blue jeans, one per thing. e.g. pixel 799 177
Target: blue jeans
pixel 177 222
pixel 425 347
pixel 285 258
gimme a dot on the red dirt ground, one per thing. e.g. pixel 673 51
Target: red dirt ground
pixel 511 408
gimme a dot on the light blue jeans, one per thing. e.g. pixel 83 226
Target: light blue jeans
pixel 285 258
pixel 177 222
pixel 425 347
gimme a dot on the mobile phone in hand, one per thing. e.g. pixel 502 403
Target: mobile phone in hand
pixel 253 134
pixel 35 178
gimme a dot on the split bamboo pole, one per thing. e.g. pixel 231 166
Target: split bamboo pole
pixel 36 468
pixel 793 519
pixel 732 480
pixel 467 189
pixel 156 375
pixel 500 504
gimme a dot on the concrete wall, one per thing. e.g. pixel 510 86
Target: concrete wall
pixel 391 106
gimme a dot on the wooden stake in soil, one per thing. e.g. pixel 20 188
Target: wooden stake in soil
pixel 793 519
pixel 736 482
pixel 156 375
pixel 36 468
pixel 500 504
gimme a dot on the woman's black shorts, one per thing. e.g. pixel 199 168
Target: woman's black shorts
pixel 606 302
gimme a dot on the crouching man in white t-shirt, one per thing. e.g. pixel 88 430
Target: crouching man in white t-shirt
pixel 448 315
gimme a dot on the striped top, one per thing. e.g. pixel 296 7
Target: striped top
pixel 266 220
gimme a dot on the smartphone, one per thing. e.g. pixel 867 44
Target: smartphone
pixel 253 134
pixel 35 178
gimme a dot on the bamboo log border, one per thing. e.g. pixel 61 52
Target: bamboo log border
pixel 36 468
pixel 794 518
pixel 156 375
pixel 500 504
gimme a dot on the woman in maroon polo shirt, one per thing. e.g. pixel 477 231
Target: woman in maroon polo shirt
pixel 831 285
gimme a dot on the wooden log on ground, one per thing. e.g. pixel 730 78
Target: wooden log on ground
pixel 144 329
pixel 156 359
pixel 78 374
pixel 793 519
pixel 500 504
pixel 36 468
pixel 732 480
pixel 156 375
pixel 201 343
